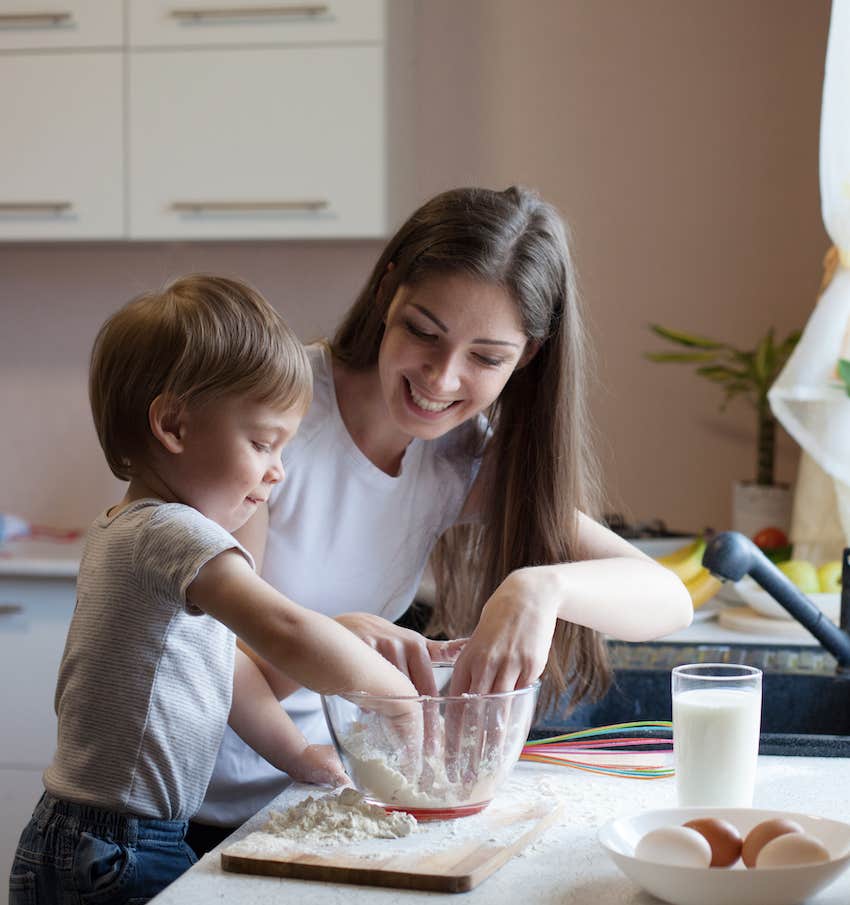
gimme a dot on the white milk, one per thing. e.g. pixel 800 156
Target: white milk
pixel 716 740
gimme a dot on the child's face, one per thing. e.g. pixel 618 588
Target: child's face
pixel 449 347
pixel 229 459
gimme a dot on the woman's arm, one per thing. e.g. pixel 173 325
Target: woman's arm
pixel 613 588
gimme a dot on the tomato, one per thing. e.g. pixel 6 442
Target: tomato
pixel 770 539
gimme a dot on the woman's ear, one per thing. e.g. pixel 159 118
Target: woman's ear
pixel 166 421
pixel 532 347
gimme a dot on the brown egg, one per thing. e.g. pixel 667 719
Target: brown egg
pixel 792 850
pixel 762 833
pixel 724 839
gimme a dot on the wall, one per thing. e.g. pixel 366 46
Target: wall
pixel 679 139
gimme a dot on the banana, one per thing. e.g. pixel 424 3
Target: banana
pixel 686 562
pixel 702 587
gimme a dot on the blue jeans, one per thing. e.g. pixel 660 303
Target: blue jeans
pixel 73 853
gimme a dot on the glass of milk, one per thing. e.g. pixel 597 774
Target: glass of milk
pixel 716 722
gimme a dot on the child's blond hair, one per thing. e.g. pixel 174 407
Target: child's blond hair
pixel 200 338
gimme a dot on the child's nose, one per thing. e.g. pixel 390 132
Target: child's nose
pixel 275 474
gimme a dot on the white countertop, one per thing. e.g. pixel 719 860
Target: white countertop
pixel 566 865
pixel 36 558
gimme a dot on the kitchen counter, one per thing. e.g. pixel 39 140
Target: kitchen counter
pixel 566 865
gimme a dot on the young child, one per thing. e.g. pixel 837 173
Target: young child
pixel 195 390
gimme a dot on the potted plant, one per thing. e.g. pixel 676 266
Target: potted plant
pixel 844 373
pixel 748 374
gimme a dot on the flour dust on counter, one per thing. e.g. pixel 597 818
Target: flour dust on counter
pixel 446 856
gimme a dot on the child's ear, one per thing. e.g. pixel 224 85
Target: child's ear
pixel 165 418
pixel 532 347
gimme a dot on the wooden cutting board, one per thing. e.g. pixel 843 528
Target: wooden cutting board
pixel 446 863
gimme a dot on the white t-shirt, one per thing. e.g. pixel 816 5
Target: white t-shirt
pixel 344 537
pixel 146 679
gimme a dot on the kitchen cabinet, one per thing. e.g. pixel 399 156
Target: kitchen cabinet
pixel 156 120
pixel 61 159
pixel 71 24
pixel 184 23
pixel 34 618
pixel 257 143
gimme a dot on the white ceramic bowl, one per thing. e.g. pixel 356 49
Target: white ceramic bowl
pixel 730 886
pixel 758 599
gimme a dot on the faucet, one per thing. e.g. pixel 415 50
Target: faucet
pixel 730 556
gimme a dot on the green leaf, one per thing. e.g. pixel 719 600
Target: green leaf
pixel 762 359
pixel 844 372
pixel 681 356
pixel 789 343
pixel 721 374
pixel 685 339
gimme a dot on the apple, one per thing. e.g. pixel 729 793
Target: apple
pixel 802 573
pixel 829 577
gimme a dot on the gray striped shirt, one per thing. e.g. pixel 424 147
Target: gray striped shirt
pixel 146 680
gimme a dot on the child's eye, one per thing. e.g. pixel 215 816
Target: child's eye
pixel 415 331
pixel 261 447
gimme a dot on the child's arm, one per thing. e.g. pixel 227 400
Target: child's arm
pixel 257 718
pixel 311 648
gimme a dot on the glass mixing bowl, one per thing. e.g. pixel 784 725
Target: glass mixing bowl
pixel 435 757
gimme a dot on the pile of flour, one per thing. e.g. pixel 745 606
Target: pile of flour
pixel 336 819
pixel 378 769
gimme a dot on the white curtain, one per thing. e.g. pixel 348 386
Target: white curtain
pixel 808 399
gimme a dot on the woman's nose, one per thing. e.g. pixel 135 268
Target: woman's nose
pixel 443 373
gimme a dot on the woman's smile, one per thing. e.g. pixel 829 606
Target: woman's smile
pixel 425 402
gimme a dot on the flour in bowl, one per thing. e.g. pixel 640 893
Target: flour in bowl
pixel 374 765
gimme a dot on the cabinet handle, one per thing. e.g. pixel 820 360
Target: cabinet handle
pixel 34 207
pixel 34 19
pixel 199 207
pixel 253 12
pixel 10 609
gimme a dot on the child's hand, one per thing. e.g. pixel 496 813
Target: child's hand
pixel 319 765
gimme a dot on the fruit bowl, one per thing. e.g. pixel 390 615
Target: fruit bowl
pixel 726 886
pixel 435 757
pixel 759 600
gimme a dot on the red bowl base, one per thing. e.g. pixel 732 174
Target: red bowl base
pixel 423 814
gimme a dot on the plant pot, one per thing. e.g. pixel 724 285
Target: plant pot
pixel 757 506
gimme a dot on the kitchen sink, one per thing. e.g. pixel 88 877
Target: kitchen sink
pixel 805 702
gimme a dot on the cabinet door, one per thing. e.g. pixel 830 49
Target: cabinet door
pixel 34 619
pixel 61 169
pixel 40 24
pixel 197 22
pixel 258 143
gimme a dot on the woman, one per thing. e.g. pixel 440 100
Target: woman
pixel 449 418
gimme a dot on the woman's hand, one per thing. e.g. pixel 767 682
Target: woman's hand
pixel 510 645
pixel 407 650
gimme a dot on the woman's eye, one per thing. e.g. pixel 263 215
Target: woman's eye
pixel 415 331
pixel 489 362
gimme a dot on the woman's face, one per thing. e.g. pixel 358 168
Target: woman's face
pixel 450 345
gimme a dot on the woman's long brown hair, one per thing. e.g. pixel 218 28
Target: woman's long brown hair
pixel 539 453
